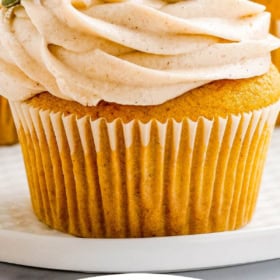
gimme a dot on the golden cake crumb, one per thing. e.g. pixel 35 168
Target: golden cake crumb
pixel 216 99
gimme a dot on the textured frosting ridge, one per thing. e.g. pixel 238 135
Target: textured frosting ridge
pixel 139 52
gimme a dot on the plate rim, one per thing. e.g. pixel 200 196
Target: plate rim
pixel 188 248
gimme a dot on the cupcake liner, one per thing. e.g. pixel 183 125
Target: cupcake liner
pixel 8 133
pixel 115 179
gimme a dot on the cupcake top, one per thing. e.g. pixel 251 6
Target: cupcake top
pixel 135 52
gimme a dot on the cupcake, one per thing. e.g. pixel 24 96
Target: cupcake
pixel 140 119
pixel 8 133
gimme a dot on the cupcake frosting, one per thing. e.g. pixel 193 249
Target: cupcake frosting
pixel 137 52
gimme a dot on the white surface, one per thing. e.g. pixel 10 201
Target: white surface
pixel 139 276
pixel 24 240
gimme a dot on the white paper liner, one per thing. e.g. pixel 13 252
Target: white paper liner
pixel 115 179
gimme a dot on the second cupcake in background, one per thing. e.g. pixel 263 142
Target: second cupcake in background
pixel 273 6
pixel 8 134
pixel 141 119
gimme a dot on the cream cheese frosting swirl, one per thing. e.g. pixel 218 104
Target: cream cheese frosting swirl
pixel 137 52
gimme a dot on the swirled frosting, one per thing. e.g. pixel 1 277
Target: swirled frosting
pixel 138 52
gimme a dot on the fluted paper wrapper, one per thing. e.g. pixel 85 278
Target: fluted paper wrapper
pixel 8 133
pixel 114 179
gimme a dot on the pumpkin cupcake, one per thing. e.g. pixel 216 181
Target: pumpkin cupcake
pixel 141 119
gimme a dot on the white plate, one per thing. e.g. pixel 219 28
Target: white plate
pixel 139 276
pixel 24 240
